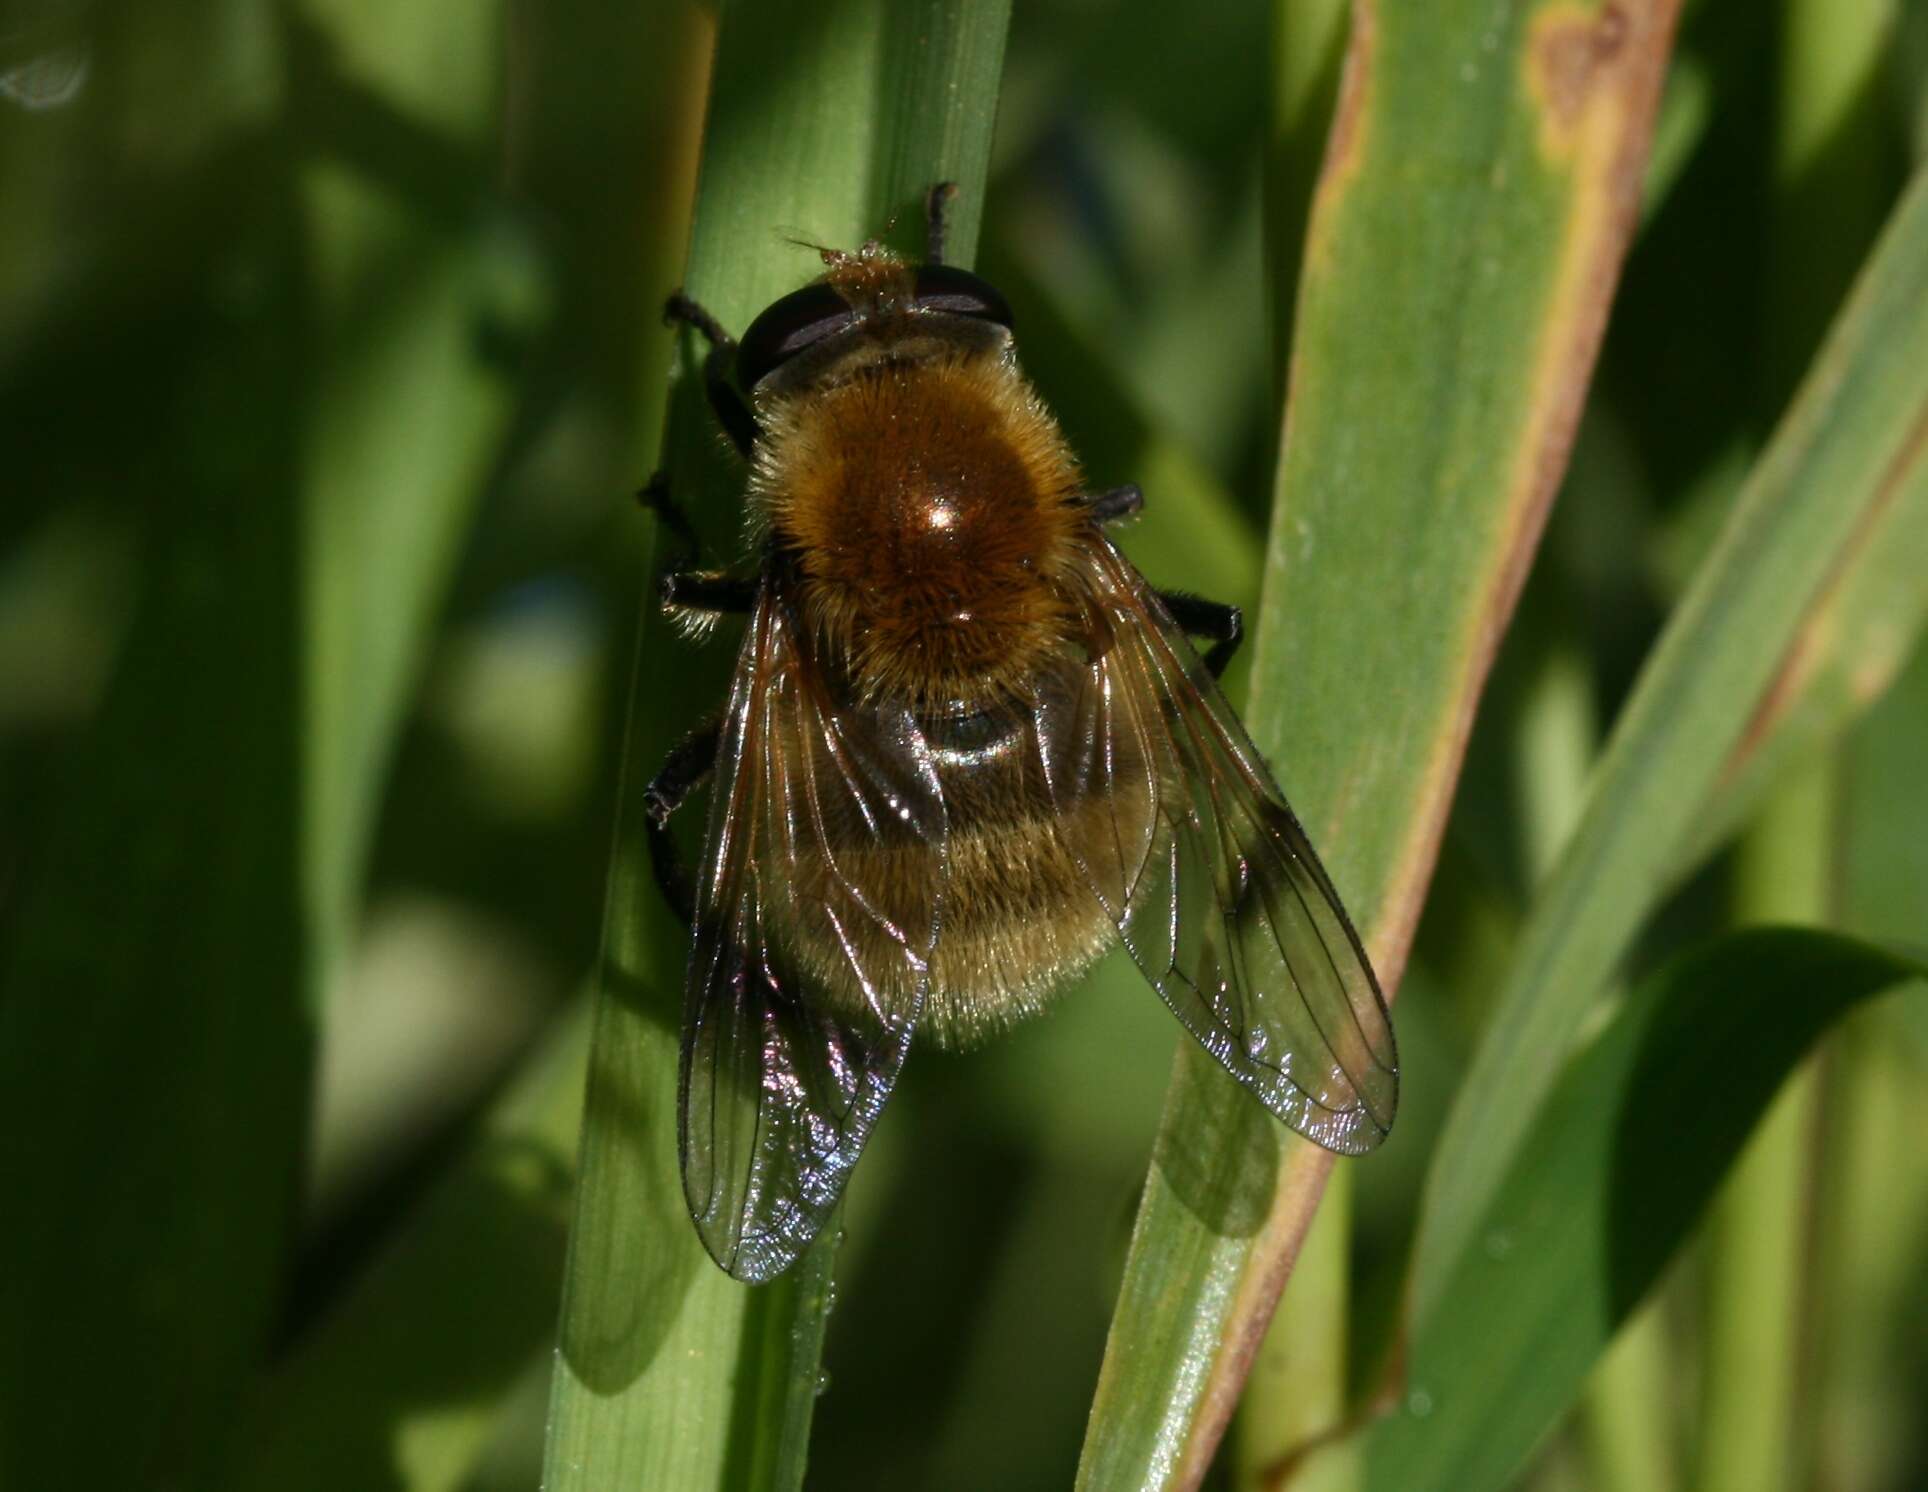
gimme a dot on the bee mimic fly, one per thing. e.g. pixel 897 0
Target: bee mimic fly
pixel 966 749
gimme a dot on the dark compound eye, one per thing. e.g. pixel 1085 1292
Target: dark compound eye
pixel 944 287
pixel 807 316
pixel 797 321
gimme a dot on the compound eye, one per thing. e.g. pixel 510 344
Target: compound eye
pixel 944 287
pixel 801 319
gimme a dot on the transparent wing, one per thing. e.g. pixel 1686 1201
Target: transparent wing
pixel 1187 841
pixel 816 917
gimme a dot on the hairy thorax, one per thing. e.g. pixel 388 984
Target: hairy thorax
pixel 928 508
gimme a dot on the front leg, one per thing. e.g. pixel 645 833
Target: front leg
pixel 654 496
pixel 731 412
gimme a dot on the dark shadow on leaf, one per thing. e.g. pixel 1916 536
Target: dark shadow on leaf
pixel 1215 1170
pixel 641 1278
pixel 1714 1045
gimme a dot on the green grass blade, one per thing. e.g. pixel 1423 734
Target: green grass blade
pixel 1480 184
pixel 1626 1418
pixel 1831 155
pixel 1632 1143
pixel 407 418
pixel 156 1020
pixel 1852 451
pixel 1871 1206
pixel 1831 150
pixel 825 123
pixel 1756 1239
pixel 783 1332
pixel 1848 648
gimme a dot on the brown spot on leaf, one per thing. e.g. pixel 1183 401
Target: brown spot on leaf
pixel 1570 51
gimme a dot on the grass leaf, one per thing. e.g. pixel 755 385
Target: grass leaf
pixel 1850 456
pixel 1444 339
pixel 1633 1141
pixel 826 123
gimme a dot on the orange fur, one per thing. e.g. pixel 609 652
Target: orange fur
pixel 928 503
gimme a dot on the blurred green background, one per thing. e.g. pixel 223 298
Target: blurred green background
pixel 328 348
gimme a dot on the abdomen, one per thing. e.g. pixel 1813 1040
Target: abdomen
pixel 1019 921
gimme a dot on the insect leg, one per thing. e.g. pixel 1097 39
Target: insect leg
pixel 1222 625
pixel 688 764
pixel 935 201
pixel 731 412
pixel 1116 505
pixel 655 496
pixel 707 590
pixel 685 588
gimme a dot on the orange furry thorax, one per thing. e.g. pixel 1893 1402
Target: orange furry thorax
pixel 927 507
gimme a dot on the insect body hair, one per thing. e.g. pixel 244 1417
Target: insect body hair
pixel 929 507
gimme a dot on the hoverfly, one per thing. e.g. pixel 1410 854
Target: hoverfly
pixel 967 747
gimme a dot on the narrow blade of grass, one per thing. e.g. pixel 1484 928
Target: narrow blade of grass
pixel 1831 145
pixel 1756 1239
pixel 1851 453
pixel 1632 1143
pixel 1830 153
pixel 1627 1418
pixel 1872 1202
pixel 825 123
pixel 1445 335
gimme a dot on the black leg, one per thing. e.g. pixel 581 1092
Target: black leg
pixel 707 590
pixel 1116 505
pixel 935 201
pixel 1222 625
pixel 685 587
pixel 731 412
pixel 658 499
pixel 692 760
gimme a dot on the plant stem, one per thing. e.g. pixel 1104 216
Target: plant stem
pixel 1629 1444
pixel 1872 1195
pixel 1828 159
pixel 1757 1227
pixel 1297 1389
